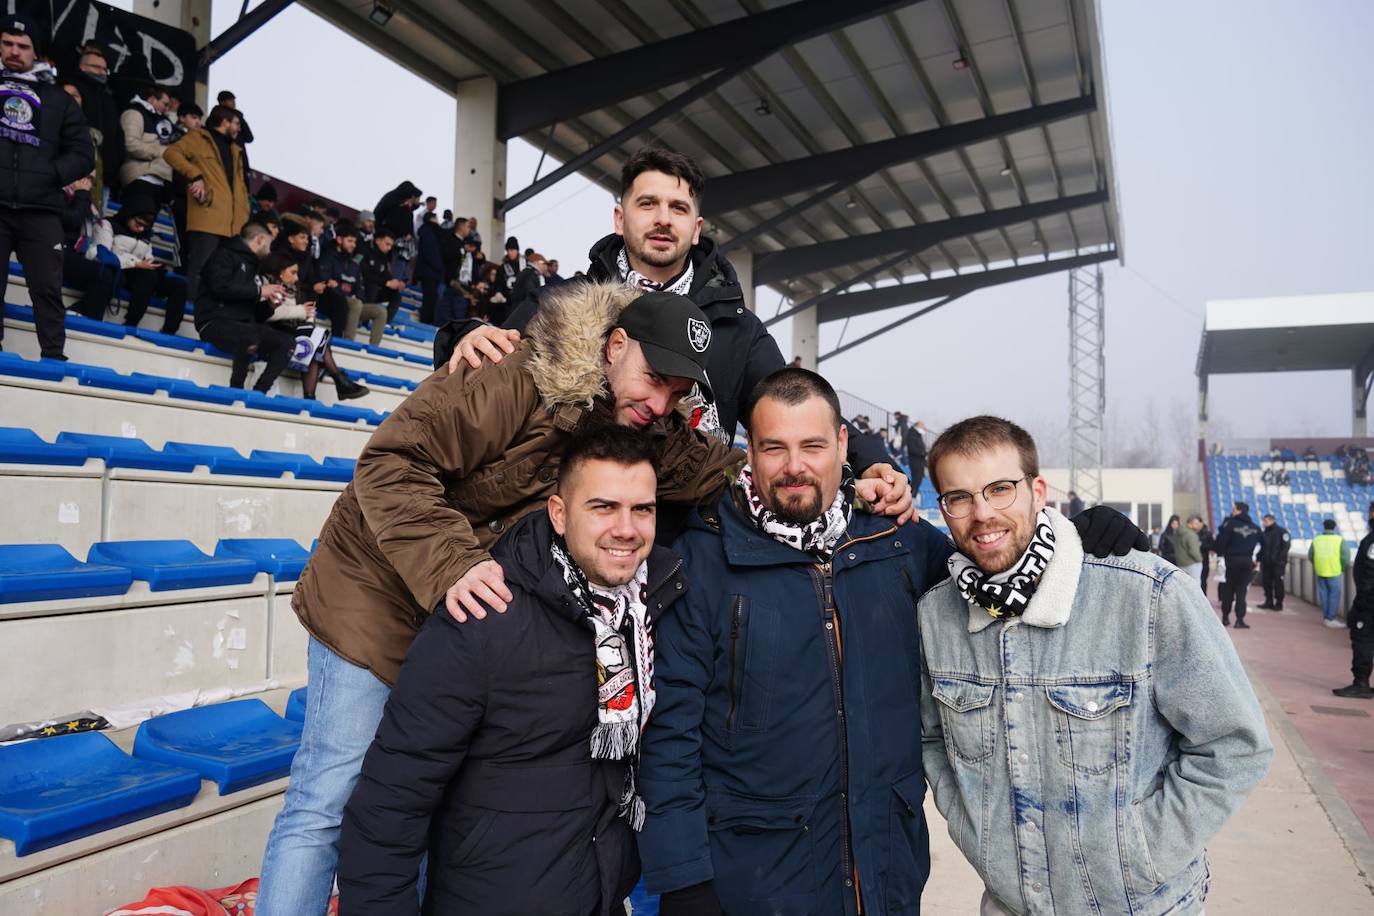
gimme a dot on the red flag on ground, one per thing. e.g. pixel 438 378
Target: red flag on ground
pixel 238 900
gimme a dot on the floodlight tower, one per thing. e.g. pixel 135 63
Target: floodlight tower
pixel 1087 383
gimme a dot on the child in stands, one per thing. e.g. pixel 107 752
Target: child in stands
pixel 313 352
pixel 144 276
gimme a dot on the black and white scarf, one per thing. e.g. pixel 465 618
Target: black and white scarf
pixel 624 644
pixel 1008 593
pixel 682 285
pixel 819 536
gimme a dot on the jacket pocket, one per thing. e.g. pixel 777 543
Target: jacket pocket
pixel 908 863
pixel 473 828
pixel 1088 729
pixel 763 852
pixel 964 716
pixel 749 652
pixel 1135 849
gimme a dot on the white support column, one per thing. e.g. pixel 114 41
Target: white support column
pixel 190 15
pixel 806 338
pixel 1360 419
pixel 744 269
pixel 479 162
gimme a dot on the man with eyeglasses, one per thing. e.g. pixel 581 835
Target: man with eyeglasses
pixel 1086 724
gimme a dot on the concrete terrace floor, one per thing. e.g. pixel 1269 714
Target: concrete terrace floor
pixel 1301 843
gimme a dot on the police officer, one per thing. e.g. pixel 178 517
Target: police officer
pixel 1273 563
pixel 1361 619
pixel 1238 543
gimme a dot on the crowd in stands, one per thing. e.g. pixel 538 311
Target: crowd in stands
pixel 263 284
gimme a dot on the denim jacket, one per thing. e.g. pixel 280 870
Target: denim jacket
pixel 1084 753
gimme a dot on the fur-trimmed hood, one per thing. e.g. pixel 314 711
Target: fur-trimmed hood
pixel 567 337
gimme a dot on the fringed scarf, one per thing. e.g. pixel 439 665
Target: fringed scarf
pixel 1008 593
pixel 818 536
pixel 620 624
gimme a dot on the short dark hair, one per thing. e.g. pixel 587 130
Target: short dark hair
pixel 190 108
pixel 274 262
pixel 979 434
pixel 344 229
pixel 1242 506
pixel 793 386
pixel 1269 515
pixel 383 233
pixel 267 218
pixel 1329 524
pixel 152 91
pixel 607 442
pixel 659 159
pixel 433 198
pixel 225 94
pixel 218 115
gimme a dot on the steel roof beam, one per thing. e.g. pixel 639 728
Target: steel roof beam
pixel 806 259
pixel 852 305
pixel 560 94
pixel 242 28
pixel 770 182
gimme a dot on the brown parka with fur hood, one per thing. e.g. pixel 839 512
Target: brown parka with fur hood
pixel 458 463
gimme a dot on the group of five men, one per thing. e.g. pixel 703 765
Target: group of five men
pixel 740 669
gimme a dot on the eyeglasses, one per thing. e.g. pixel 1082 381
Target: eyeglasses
pixel 999 494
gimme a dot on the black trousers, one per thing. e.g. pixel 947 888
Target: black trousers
pixel 429 292
pixel 1239 571
pixel 1206 569
pixel 196 249
pixel 95 280
pixel 1271 576
pixel 143 284
pixel 391 298
pixel 333 305
pixel 247 341
pixel 36 237
pixel 1361 623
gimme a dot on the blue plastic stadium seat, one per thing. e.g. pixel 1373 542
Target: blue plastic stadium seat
pixel 382 351
pixel 280 558
pixel 174 341
pixel 23 446
pixel 221 459
pixel 58 789
pixel 209 394
pixel 77 322
pixel 349 463
pixel 279 403
pixel 46 370
pixel 101 377
pixel 343 413
pixel 342 343
pixel 118 452
pixel 386 381
pixel 305 467
pixel 46 572
pixel 167 565
pixel 295 705
pixel 236 745
pixel 418 360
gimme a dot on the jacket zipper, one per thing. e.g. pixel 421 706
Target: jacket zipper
pixel 826 585
pixel 736 613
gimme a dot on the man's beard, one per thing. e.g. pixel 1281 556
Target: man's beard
pixel 1018 539
pixel 797 509
pixel 640 251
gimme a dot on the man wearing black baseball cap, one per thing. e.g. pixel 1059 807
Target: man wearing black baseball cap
pixel 44 145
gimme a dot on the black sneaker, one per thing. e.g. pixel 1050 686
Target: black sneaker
pixel 352 391
pixel 1241 625
pixel 1266 607
pixel 1225 621
pixel 1355 692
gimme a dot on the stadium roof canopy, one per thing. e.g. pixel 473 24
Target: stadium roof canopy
pixel 845 143
pixel 1292 334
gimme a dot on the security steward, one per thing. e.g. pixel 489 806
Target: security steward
pixel 1273 563
pixel 1360 620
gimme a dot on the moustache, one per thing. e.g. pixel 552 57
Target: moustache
pixel 794 482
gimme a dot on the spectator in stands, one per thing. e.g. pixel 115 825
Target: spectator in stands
pixel 531 279
pixel 1188 550
pixel 1166 540
pixel 265 200
pixel 886 438
pixel 234 303
pixel 312 351
pixel 147 131
pixel 44 146
pixel 367 226
pixel 269 221
pixel 452 304
pixel 101 109
pixel 429 265
pixel 461 719
pixel 1329 563
pixel 338 266
pixel 188 118
pixel 144 275
pixel 657 244
pixel 395 212
pixel 1309 454
pixel 554 275
pixel 1273 562
pixel 1360 620
pixel 424 212
pixel 1238 543
pixel 316 220
pixel 1075 504
pixel 379 285
pixel 98 179
pixel 916 456
pixel 244 136
pixel 294 241
pixel 510 269
pixel 447 221
pixel 797 362
pixel 1154 539
pixel 88 261
pixel 217 194
pixel 396 543
pixel 1207 543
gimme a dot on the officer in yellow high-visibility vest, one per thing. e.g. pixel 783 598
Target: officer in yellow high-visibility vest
pixel 1327 554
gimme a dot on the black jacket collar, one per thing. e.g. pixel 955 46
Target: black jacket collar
pixel 714 281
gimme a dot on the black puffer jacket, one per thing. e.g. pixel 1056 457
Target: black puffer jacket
pixel 229 286
pixel 482 758
pixel 36 163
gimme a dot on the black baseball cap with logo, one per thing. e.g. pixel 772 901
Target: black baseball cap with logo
pixel 673 333
pixel 20 25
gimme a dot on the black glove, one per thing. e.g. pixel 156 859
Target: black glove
pixel 697 900
pixel 1106 532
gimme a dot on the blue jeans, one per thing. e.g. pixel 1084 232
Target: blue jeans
pixel 1329 595
pixel 342 711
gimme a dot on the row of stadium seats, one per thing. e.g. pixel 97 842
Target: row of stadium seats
pixel 1316 490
